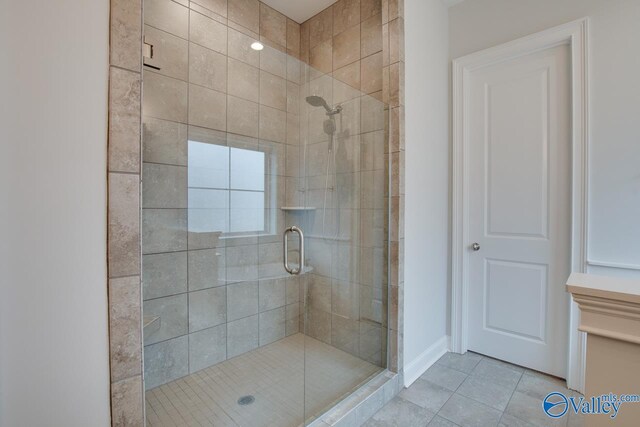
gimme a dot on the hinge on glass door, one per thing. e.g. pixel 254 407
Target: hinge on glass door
pixel 147 53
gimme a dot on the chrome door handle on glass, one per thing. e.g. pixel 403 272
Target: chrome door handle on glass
pixel 285 244
pixel 475 246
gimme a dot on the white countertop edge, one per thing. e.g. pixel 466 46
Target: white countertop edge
pixel 604 287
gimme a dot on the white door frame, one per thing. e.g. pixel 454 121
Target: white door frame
pixel 575 35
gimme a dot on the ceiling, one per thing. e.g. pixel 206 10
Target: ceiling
pixel 302 10
pixel 299 10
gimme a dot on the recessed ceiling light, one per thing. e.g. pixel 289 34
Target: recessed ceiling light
pixel 257 46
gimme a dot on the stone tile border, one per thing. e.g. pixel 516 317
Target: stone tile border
pixel 123 234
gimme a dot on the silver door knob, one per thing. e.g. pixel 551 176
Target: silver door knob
pixel 475 246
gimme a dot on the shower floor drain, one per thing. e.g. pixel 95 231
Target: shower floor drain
pixel 246 400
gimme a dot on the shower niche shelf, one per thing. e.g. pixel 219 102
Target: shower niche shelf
pixel 297 208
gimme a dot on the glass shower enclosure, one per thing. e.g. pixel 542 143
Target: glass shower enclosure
pixel 239 147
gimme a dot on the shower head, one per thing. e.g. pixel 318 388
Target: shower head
pixel 318 101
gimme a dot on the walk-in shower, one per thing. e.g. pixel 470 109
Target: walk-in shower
pixel 243 327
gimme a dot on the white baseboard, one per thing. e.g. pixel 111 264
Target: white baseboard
pixel 420 364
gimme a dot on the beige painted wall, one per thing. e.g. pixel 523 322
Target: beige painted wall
pixel 54 367
pixel 614 180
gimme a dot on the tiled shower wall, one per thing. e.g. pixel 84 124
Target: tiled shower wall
pixel 209 291
pixel 347 290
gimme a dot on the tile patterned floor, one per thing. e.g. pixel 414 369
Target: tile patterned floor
pixel 471 390
pixel 289 379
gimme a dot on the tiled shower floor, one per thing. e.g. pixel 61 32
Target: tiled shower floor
pixel 284 377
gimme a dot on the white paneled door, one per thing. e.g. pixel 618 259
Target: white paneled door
pixel 519 209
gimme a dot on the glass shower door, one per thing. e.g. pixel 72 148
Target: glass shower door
pixel 343 181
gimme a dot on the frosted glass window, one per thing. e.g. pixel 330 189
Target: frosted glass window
pixel 208 165
pixel 247 211
pixel 226 189
pixel 247 169
pixel 208 210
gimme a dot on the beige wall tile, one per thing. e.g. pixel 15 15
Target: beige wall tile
pixel 295 69
pixel 207 108
pixel 164 141
pixel 125 34
pixel 385 11
pixel 321 27
pixel 207 68
pixel 164 274
pixel 207 347
pixel 239 47
pixel 273 25
pixel 319 325
pixel 242 336
pixel 372 112
pixel 346 14
pixel 164 186
pixel 394 85
pixel 371 34
pixel 343 92
pixel 293 161
pixel 396 9
pixel 304 41
pixel 124 327
pixel 243 30
pixel 243 80
pixel 346 47
pixel 164 230
pixel 164 97
pixel 271 292
pixel 242 117
pixel 273 91
pixel 245 13
pixel 369 8
pixel 127 407
pixel 371 73
pixel 293 129
pixel 166 361
pixel 207 32
pixel 216 6
pixel 385 83
pixel 124 225
pixel 167 15
pixel 396 40
pixel 242 297
pixel 208 13
pixel 293 38
pixel 207 308
pixel 395 130
pixel 273 61
pixel 273 124
pixel 292 319
pixel 170 53
pixel 345 334
pixel 293 97
pixel 124 120
pixel 349 74
pixel 385 45
pixel 207 269
pixel 272 325
pixel 172 311
pixel 345 299
pixel 321 57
